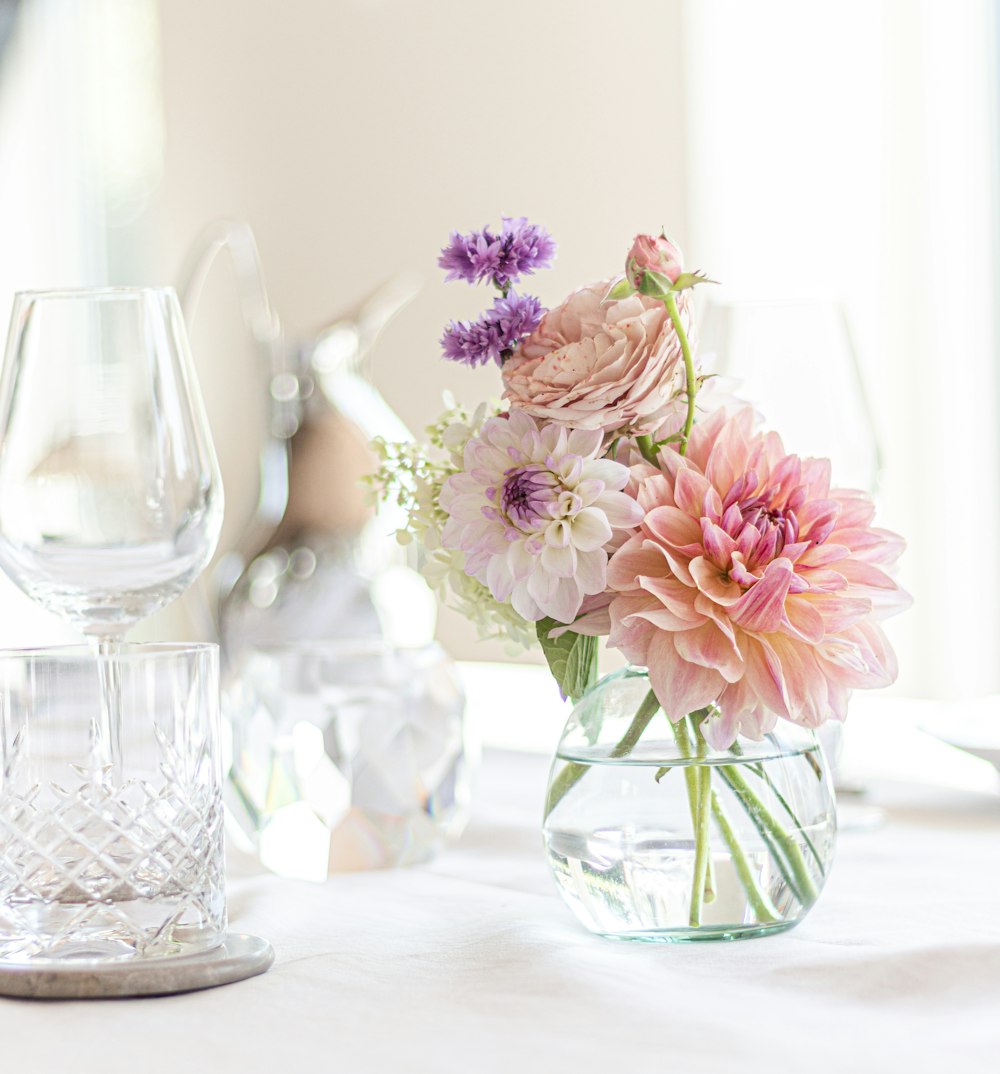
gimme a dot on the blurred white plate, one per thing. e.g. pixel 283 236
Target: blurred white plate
pixel 977 733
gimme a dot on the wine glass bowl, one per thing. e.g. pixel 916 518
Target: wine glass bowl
pixel 110 493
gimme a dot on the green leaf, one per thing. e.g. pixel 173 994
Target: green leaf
pixel 622 289
pixel 687 280
pixel 661 772
pixel 572 658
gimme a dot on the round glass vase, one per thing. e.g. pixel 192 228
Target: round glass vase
pixel 652 834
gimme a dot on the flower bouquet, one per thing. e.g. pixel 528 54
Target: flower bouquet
pixel 615 493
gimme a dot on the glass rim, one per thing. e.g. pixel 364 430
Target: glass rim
pixel 131 651
pixel 138 291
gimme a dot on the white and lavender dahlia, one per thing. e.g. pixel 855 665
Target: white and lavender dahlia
pixel 533 512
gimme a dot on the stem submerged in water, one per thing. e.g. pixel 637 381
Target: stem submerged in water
pixel 573 772
pixel 705 806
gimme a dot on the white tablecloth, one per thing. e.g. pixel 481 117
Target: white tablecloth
pixel 472 963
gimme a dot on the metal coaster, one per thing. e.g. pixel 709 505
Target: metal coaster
pixel 238 956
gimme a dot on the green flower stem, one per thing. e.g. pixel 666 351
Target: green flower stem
pixel 701 838
pixel 692 380
pixel 573 772
pixel 691 773
pixel 805 887
pixel 773 847
pixel 761 772
pixel 761 904
pixel 648 448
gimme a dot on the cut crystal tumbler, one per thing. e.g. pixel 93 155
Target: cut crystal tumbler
pixel 101 861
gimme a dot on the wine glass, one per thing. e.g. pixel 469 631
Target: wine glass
pixel 110 493
pixel 796 358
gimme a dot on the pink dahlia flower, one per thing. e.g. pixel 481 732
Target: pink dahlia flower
pixel 601 365
pixel 533 511
pixel 752 584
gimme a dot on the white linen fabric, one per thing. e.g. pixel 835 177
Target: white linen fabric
pixel 472 963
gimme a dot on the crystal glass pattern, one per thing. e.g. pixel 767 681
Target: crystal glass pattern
pixel 346 755
pixel 622 807
pixel 110 495
pixel 103 862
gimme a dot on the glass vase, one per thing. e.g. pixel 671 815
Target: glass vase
pixel 652 834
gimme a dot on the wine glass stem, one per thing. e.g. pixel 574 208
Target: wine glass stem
pixel 107 728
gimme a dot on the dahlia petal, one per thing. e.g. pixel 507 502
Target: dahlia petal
pixel 564 601
pixel 613 475
pixel 864 654
pixel 804 620
pixel 621 510
pixel 524 604
pixel 721 727
pixel 805 683
pixel 680 686
pixel 858 572
pixel 691 492
pixel 821 555
pixel 636 557
pixel 719 546
pixel 739 571
pixel 520 561
pixel 588 490
pixel 595 624
pixel 558 533
pixel 674 595
pixel 725 460
pixel 708 646
pixel 760 609
pixel 499 579
pixel 816 476
pixel 856 508
pixel 872 545
pixel 592 572
pixel 629 633
pixel 590 529
pixel 838 612
pixel 585 442
pixel 663 618
pixel 710 610
pixel 672 527
pixel 818 518
pixel 764 675
pixel 679 568
pixel 559 561
pixel 752 718
pixel 541 588
pixel 714 583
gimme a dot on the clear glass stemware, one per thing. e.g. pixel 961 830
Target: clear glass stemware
pixel 110 493
pixel 110 496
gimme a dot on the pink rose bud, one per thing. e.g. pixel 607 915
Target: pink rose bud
pixel 655 254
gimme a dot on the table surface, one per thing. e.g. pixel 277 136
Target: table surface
pixel 473 963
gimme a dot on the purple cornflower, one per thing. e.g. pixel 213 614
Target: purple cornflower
pixel 495 334
pixel 517 251
pixel 517 316
pixel 472 342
